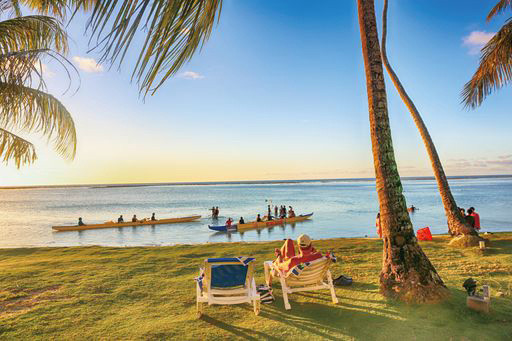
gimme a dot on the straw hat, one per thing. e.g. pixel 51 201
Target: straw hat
pixel 304 240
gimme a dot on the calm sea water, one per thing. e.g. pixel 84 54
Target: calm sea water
pixel 341 209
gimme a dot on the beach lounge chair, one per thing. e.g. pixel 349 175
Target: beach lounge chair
pixel 227 281
pixel 307 276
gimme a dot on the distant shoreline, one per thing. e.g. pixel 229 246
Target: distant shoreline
pixel 248 182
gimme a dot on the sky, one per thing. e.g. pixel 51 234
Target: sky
pixel 278 92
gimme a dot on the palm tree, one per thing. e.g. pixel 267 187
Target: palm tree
pixel 456 222
pixel 495 69
pixel 407 273
pixel 25 106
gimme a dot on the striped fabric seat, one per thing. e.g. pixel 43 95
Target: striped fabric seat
pixel 309 276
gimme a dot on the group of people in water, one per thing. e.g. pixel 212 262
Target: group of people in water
pixel 279 213
pixel 121 219
pixel 215 212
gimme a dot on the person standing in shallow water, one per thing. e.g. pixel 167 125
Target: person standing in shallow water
pixel 378 226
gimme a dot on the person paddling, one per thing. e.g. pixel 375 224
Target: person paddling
pixel 258 218
pixel 153 218
pixel 120 219
pixel 134 218
pixel 80 222
pixel 241 221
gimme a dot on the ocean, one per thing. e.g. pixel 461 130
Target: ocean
pixel 342 208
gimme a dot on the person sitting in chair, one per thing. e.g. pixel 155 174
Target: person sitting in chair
pixel 287 258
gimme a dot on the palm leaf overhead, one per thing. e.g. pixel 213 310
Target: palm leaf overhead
pixel 17 148
pixel 32 33
pixel 33 110
pixel 57 8
pixel 495 67
pixel 174 30
pixel 494 70
pixel 24 43
pixel 500 7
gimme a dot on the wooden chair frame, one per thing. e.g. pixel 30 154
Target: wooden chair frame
pixel 310 279
pixel 236 295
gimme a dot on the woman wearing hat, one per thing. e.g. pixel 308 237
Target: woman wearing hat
pixel 287 258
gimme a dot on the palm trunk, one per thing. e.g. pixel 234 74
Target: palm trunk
pixel 407 273
pixel 456 222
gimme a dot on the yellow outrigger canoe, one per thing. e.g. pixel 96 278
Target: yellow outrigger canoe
pixel 261 224
pixel 111 224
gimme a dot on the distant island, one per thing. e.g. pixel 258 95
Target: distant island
pixel 249 182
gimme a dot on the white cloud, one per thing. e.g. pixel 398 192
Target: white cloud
pixel 88 64
pixel 191 75
pixel 44 70
pixel 476 40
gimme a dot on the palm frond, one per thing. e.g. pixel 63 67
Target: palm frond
pixel 26 67
pixel 58 8
pixel 20 67
pixel 32 32
pixel 17 148
pixel 494 70
pixel 33 110
pixel 174 29
pixel 500 7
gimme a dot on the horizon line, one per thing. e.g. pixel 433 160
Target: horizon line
pixel 241 182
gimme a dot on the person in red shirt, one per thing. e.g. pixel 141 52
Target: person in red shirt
pixel 228 222
pixel 475 216
pixel 287 258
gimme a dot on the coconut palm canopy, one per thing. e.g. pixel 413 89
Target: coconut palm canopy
pixel 173 30
pixel 495 68
pixel 25 106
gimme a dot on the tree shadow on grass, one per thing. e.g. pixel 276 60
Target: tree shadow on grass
pixel 328 322
pixel 499 247
pixel 366 287
pixel 246 333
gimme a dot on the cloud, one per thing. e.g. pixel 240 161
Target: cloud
pixel 502 163
pixel 88 64
pixel 476 40
pixel 44 70
pixel 191 75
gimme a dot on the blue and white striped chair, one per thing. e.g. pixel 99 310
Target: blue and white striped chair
pixel 227 281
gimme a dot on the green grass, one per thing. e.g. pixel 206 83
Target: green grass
pixel 149 293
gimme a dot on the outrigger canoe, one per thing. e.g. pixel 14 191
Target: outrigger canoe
pixel 111 224
pixel 260 224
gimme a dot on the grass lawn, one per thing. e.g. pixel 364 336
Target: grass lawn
pixel 149 293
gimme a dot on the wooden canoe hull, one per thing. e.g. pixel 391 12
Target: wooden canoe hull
pixel 261 224
pixel 126 224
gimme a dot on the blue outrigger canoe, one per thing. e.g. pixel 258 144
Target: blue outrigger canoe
pixel 260 224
